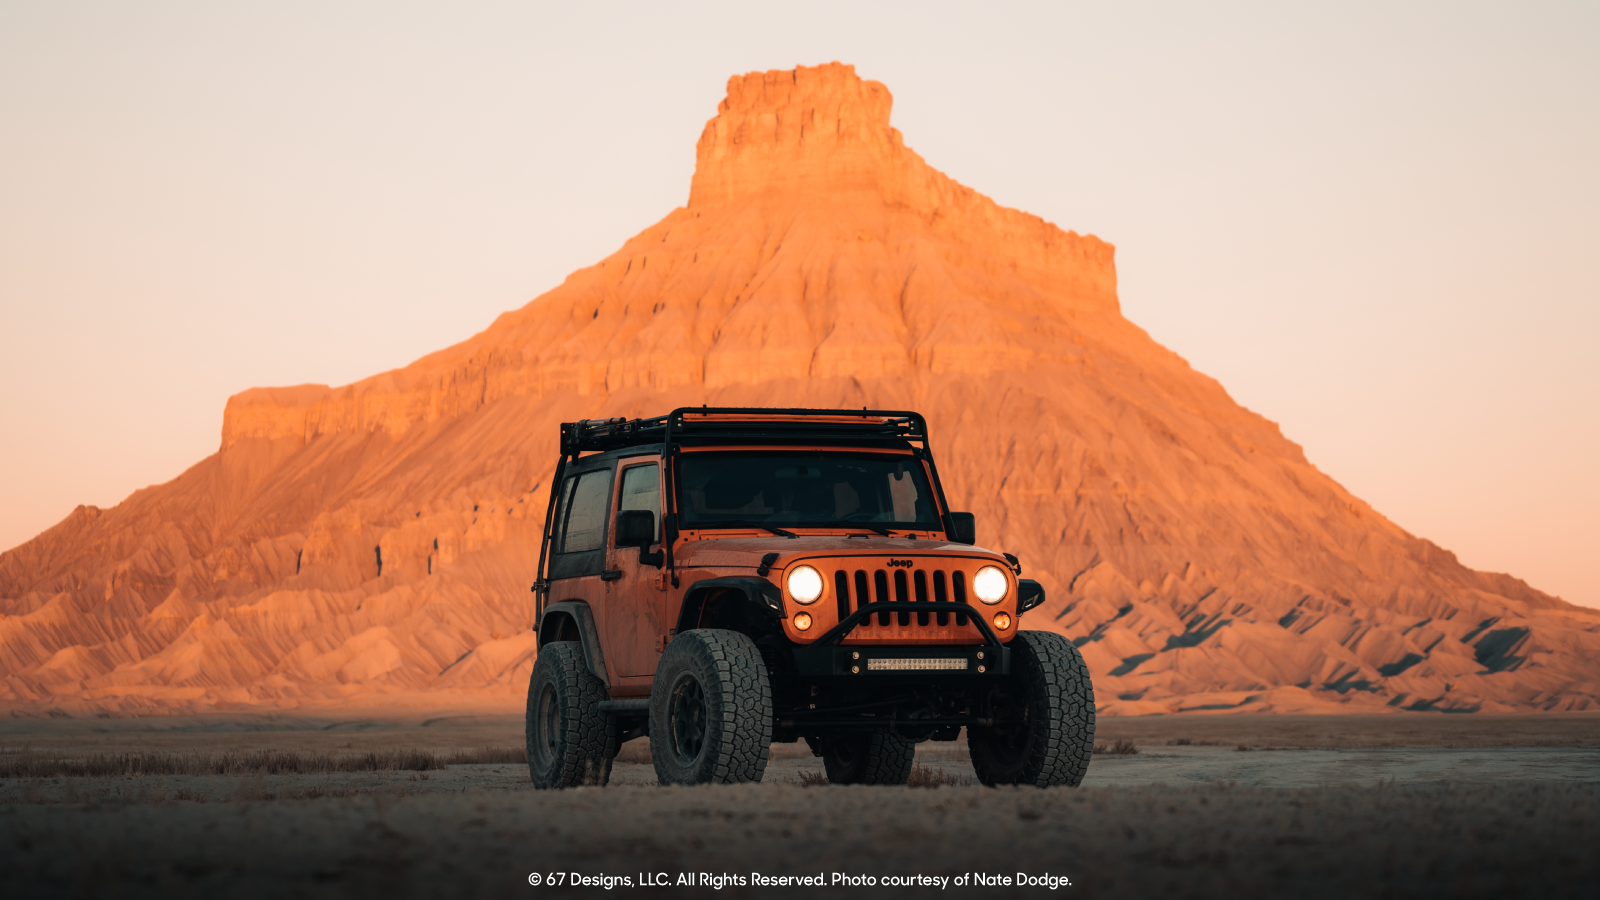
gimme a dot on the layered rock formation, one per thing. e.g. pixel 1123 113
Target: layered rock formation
pixel 375 542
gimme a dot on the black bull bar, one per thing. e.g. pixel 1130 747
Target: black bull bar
pixel 842 630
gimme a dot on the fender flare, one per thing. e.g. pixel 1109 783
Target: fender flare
pixel 759 593
pixel 581 618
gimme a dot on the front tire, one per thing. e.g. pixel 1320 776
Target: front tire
pixel 567 733
pixel 710 710
pixel 874 757
pixel 1044 729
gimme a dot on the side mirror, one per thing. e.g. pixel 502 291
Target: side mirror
pixel 963 528
pixel 1030 593
pixel 636 528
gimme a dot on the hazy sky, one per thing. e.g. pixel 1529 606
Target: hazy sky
pixel 1376 224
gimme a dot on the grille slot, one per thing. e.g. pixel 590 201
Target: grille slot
pixel 920 580
pixel 841 590
pixel 880 580
pixel 902 595
pixel 940 595
pixel 958 581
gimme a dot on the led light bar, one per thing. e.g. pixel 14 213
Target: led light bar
pixel 890 664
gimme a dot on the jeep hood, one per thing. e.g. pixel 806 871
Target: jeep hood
pixel 748 551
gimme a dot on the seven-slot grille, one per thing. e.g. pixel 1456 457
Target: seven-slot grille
pixel 855 589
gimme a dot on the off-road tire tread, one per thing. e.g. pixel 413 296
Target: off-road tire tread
pixel 587 732
pixel 1052 668
pixel 889 760
pixel 739 694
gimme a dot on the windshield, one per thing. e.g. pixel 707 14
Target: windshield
pixel 872 491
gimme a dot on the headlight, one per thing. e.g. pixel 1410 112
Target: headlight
pixel 805 584
pixel 989 584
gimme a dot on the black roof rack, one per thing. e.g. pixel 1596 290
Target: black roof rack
pixel 744 423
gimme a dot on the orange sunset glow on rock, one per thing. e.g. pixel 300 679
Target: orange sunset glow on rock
pixel 374 544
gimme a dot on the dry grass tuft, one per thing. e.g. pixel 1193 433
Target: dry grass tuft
pixel 927 776
pixel 1120 748
pixel 811 779
pixel 488 756
pixel 1179 742
pixel 1243 748
pixel 52 764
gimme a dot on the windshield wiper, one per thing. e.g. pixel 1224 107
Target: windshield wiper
pixel 846 523
pixel 745 523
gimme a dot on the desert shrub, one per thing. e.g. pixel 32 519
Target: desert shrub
pixel 1119 748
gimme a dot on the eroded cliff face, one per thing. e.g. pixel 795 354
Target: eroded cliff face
pixel 375 542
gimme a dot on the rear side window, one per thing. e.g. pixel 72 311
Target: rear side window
pixel 585 499
pixel 641 489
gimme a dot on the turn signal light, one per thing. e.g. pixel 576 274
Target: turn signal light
pixel 1002 620
pixel 802 621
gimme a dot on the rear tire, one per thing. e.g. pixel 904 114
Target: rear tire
pixel 567 733
pixel 1045 733
pixel 874 757
pixel 710 710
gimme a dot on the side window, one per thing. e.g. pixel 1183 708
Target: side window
pixel 641 489
pixel 586 512
pixel 559 533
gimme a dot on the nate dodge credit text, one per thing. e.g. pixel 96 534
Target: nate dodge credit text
pixel 719 880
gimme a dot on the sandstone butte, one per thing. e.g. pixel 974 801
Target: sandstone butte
pixel 1187 546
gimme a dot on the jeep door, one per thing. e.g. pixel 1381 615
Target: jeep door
pixel 579 545
pixel 635 617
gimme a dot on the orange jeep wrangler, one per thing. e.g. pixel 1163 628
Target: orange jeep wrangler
pixel 719 579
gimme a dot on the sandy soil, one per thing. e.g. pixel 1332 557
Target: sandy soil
pixel 1175 767
pixel 1435 817
pixel 440 731
pixel 1352 732
pixel 447 730
pixel 1525 839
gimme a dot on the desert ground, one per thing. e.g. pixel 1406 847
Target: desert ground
pixel 368 805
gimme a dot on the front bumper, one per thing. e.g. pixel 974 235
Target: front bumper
pixel 865 665
pixel 875 664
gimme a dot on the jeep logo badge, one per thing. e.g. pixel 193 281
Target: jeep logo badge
pixel 900 563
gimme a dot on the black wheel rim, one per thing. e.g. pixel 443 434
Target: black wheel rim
pixel 1012 733
pixel 547 725
pixel 847 750
pixel 688 715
